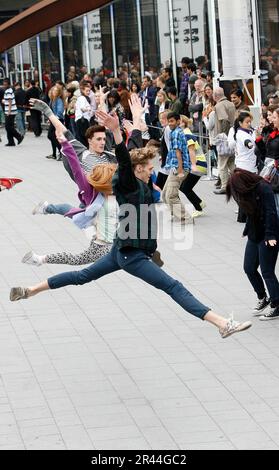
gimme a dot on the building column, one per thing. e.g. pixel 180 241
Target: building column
pixel 86 42
pixel 114 57
pixel 7 64
pixel 61 54
pixel 39 61
pixel 21 63
pixel 213 42
pixel 172 39
pixel 140 39
pixel 257 73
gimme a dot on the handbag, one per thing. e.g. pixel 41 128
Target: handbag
pixel 223 146
pixel 271 174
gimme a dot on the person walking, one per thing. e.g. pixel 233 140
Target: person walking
pixel 255 197
pixel 178 165
pixel 10 110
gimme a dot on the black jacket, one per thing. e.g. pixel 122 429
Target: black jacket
pixel 265 226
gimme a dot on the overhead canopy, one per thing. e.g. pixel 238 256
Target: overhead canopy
pixel 41 17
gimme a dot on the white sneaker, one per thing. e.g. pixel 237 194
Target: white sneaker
pixel 197 214
pixel 32 258
pixel 40 208
pixel 233 326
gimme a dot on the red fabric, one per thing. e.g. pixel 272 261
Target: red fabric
pixel 273 134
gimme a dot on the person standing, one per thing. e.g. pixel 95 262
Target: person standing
pixel 35 117
pixel 237 98
pixel 57 106
pixel 255 197
pixel 196 106
pixel 20 98
pixel 224 120
pixel 83 113
pixel 10 114
pixel 175 104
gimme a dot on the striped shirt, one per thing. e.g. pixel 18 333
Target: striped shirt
pixel 9 95
pixel 89 159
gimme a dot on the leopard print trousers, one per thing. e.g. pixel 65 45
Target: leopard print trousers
pixel 92 254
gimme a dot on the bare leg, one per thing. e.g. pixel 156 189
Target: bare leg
pixel 34 290
pixel 215 319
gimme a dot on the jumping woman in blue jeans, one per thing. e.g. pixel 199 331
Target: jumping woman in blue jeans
pixel 256 199
pixel 132 252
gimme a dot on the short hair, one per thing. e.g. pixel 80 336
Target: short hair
pixel 91 131
pixel 147 78
pixel 173 115
pixel 172 90
pixel 200 60
pixel 192 67
pixel 7 80
pixel 17 84
pixel 219 92
pixel 186 60
pixel 142 156
pixel 137 85
pixel 85 84
pixel 238 93
pixel 168 70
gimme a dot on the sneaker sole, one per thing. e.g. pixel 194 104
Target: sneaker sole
pixel 244 326
pixel 26 258
pixel 268 318
pixel 257 313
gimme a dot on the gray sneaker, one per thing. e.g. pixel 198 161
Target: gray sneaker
pixel 233 326
pixel 18 293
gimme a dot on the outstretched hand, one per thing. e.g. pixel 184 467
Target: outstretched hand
pixel 128 126
pixel 110 121
pixel 40 105
pixel 136 107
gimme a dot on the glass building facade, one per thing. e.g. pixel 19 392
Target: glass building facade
pixel 141 35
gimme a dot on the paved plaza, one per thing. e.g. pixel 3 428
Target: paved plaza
pixel 117 364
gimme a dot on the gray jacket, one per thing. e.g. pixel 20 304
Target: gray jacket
pixel 224 116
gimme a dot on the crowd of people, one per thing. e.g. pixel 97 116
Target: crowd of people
pixel 107 131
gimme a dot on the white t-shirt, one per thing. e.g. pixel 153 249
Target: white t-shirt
pixel 107 221
pixel 82 104
pixel 245 157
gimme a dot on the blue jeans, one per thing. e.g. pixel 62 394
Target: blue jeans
pixel 61 209
pixel 259 255
pixel 137 263
pixel 20 122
